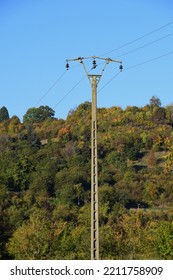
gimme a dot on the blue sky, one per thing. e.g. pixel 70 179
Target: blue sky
pixel 37 36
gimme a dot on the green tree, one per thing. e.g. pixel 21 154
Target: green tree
pixel 35 115
pixel 132 148
pixel 159 115
pixel 160 238
pixel 4 115
pixel 31 240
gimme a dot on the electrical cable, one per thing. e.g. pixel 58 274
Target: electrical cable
pixel 126 69
pixel 68 92
pixel 109 81
pixel 71 89
pixel 148 61
pixel 139 38
pixel 146 45
pixel 134 66
pixel 50 88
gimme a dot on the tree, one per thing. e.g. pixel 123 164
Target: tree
pixel 36 115
pixel 159 114
pixel 169 160
pixel 31 240
pixel 4 114
pixel 14 125
pixel 169 114
pixel 155 101
pixel 162 243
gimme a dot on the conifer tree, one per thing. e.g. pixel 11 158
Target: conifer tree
pixel 4 115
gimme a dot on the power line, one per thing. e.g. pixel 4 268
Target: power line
pixel 72 88
pixel 128 43
pixel 50 88
pixel 69 92
pixel 134 66
pixel 137 65
pixel 109 81
pixel 125 69
pixel 148 61
pixel 146 45
pixel 139 38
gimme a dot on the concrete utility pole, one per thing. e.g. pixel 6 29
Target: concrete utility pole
pixel 94 80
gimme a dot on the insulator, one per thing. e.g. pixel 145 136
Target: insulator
pixel 121 67
pixel 67 66
pixel 94 63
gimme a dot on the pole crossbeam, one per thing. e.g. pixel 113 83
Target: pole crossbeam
pixel 108 59
pixel 94 80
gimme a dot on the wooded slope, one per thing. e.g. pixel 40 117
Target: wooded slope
pixel 45 184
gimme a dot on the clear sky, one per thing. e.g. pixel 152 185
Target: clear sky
pixel 37 36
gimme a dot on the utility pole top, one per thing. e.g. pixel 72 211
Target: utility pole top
pixel 108 59
pixel 94 64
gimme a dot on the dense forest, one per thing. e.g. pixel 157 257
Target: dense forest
pixel 45 183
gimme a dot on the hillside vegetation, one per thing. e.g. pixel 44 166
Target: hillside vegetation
pixel 45 183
